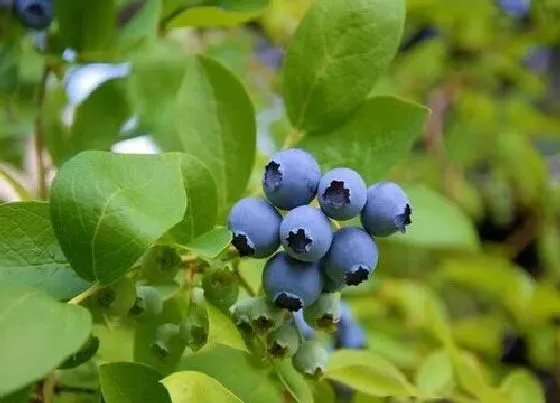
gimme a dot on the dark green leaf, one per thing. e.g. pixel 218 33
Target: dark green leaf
pixel 143 26
pixel 99 119
pixel 193 386
pixel 30 254
pixel 108 208
pixel 36 326
pixel 86 25
pixel 375 138
pixel 236 372
pixel 128 382
pixel 338 52
pixel 204 111
pixel 202 201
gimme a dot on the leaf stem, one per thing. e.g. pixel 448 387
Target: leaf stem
pixel 291 138
pixel 48 387
pixel 242 282
pixel 78 299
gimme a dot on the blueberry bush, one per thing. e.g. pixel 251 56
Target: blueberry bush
pixel 279 201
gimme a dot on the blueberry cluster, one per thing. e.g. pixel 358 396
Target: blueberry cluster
pixel 315 259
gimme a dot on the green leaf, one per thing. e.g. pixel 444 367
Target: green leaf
pixel 545 303
pixel 523 387
pixel 57 135
pixel 30 254
pixel 221 330
pixel 375 138
pixel 143 26
pixel 36 326
pixel 197 106
pixel 128 382
pixel 214 16
pixel 437 223
pixel 508 283
pixel 202 201
pixel 84 25
pixel 214 119
pixel 434 376
pixel 235 370
pixel 21 396
pixel 323 391
pixel 192 386
pixel 294 382
pixel 99 119
pixel 337 54
pixel 368 373
pixel 210 244
pixel 107 209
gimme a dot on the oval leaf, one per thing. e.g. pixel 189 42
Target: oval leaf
pixel 435 375
pixel 338 52
pixel 107 209
pixel 221 330
pixel 36 326
pixel 192 386
pixel 368 373
pixel 129 382
pixel 375 138
pixel 523 387
pixel 30 254
pixel 235 370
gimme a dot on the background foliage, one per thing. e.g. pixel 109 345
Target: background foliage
pixel 465 306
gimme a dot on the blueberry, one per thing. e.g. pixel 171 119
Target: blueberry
pixel 352 257
pixel 387 210
pixel 255 225
pixel 290 283
pixel 221 287
pixel 160 264
pixel 291 178
pixel 342 193
pixel 310 359
pixel 307 331
pixel 349 333
pixel 306 233
pixel 515 8
pixel 36 14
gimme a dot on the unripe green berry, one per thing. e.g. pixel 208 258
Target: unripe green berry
pixel 284 341
pixel 221 287
pixel 168 340
pixel 257 314
pixel 310 359
pixel 84 354
pixel 160 264
pixel 148 305
pixel 116 299
pixel 324 313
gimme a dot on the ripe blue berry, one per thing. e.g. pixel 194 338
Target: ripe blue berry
pixel 351 258
pixel 342 193
pixel 291 178
pixel 349 333
pixel 290 283
pixel 255 225
pixel 306 233
pixel 387 210
pixel 515 8
pixel 36 14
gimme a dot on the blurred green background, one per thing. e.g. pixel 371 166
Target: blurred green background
pixel 479 270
